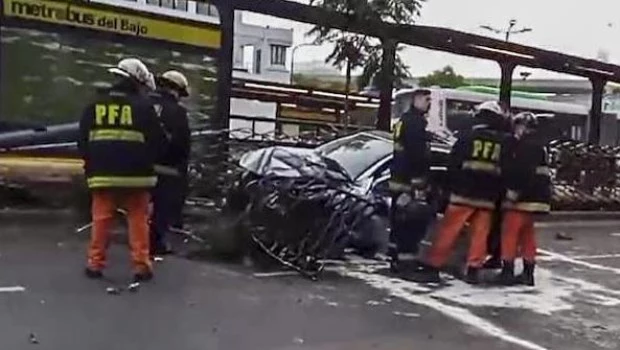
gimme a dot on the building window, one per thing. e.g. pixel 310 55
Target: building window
pixel 167 3
pixel 171 4
pixel 259 62
pixel 180 5
pixel 203 8
pixel 278 55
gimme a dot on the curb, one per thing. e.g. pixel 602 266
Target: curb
pixel 12 215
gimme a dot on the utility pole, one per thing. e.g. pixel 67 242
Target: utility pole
pixel 510 30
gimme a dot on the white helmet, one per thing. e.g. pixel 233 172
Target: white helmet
pixel 178 81
pixel 135 69
pixel 527 119
pixel 491 106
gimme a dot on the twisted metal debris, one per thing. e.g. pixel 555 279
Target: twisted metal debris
pixel 301 221
pixel 214 167
pixel 585 176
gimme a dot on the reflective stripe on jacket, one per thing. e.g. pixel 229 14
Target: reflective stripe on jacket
pixel 476 167
pixel 120 139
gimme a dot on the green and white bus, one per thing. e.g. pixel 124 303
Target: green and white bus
pixel 452 110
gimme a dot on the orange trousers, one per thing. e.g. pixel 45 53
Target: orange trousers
pixel 518 232
pixel 449 231
pixel 104 205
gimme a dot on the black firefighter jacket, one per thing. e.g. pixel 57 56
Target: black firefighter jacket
pixel 412 156
pixel 173 117
pixel 120 139
pixel 528 178
pixel 476 167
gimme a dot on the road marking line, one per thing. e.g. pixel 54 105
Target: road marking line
pixel 581 257
pixel 594 257
pixel 13 289
pixel 574 261
pixel 577 224
pixel 402 289
pixel 615 234
pixel 275 274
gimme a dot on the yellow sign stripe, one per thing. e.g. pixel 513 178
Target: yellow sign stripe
pixel 40 169
pixel 114 20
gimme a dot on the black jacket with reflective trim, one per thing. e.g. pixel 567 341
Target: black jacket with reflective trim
pixel 120 139
pixel 528 178
pixel 475 167
pixel 412 156
pixel 175 123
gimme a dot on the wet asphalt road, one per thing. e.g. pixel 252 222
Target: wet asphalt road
pixel 206 305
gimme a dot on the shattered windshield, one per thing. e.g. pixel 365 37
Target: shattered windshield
pixel 358 153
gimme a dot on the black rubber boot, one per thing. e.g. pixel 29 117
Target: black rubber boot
pixel 93 274
pixel 421 273
pixel 162 250
pixel 493 263
pixel 527 276
pixel 406 269
pixel 507 276
pixel 472 276
pixel 143 276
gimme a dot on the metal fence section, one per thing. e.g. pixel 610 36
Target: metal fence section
pixel 585 176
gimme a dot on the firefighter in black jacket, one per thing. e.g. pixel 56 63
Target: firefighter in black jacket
pixel 475 171
pixel 120 139
pixel 171 168
pixel 408 184
pixel 528 193
pixel 494 242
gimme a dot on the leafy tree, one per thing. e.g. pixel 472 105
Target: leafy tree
pixel 359 51
pixel 446 78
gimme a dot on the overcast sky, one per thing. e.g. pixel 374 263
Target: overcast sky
pixel 571 26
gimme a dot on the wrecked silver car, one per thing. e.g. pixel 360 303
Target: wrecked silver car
pixel 302 206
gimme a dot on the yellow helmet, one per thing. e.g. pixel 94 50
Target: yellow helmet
pixel 177 80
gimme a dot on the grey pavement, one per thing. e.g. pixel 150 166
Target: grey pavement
pixel 209 305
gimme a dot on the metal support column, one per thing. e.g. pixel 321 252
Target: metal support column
pixel 386 84
pixel 505 87
pixel 225 65
pixel 216 147
pixel 596 112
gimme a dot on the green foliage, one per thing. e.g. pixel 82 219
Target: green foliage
pixel 360 50
pixel 445 78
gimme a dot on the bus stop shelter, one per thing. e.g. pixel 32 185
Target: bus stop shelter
pixel 507 55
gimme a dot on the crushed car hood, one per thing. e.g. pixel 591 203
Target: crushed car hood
pixel 283 162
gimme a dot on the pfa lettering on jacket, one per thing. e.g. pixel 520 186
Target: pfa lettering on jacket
pixel 486 150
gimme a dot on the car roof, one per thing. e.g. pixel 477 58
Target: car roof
pixel 380 133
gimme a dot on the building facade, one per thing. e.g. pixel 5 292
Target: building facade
pixel 260 52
